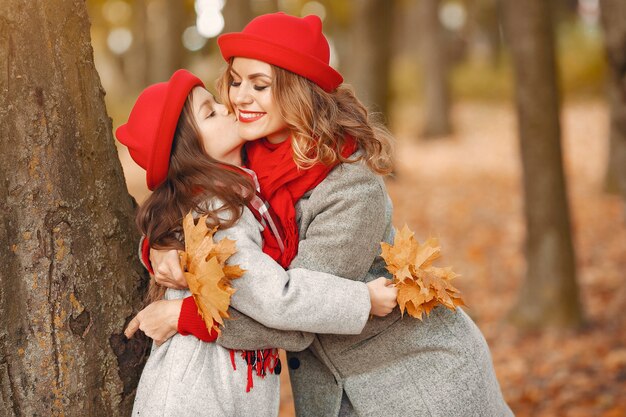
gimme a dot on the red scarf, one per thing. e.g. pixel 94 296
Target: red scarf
pixel 283 183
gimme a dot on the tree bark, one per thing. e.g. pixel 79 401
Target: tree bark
pixel 549 295
pixel 614 23
pixel 69 279
pixel 436 72
pixel 370 56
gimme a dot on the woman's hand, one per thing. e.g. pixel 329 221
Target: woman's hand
pixel 167 271
pixel 159 321
pixel 383 296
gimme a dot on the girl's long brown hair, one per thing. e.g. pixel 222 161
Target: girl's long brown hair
pixel 193 178
pixel 319 121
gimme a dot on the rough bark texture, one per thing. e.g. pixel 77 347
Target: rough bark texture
pixel 69 278
pixel 436 74
pixel 370 52
pixel 549 296
pixel 614 23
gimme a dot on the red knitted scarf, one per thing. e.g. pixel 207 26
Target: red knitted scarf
pixel 283 183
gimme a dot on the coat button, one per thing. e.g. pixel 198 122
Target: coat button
pixel 294 363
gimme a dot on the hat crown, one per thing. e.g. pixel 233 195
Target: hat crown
pixel 300 34
pixel 296 44
pixel 150 128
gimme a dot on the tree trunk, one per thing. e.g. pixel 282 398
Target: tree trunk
pixel 614 23
pixel 237 14
pixel 138 58
pixel 549 296
pixel 484 26
pixel 166 24
pixel 69 279
pixel 370 56
pixel 436 77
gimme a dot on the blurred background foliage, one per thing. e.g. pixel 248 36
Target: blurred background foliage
pixel 139 42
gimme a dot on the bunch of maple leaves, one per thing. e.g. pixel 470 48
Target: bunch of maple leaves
pixel 208 276
pixel 421 286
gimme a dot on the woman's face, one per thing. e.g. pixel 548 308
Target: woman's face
pixel 250 93
pixel 218 129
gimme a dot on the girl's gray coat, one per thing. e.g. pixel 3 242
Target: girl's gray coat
pixel 396 366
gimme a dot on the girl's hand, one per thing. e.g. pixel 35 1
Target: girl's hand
pixel 159 321
pixel 383 296
pixel 167 271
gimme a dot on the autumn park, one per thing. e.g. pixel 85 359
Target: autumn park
pixel 508 120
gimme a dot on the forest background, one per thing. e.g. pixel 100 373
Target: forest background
pixel 510 121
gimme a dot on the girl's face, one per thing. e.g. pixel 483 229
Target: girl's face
pixel 250 93
pixel 218 129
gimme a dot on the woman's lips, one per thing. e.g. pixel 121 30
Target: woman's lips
pixel 249 116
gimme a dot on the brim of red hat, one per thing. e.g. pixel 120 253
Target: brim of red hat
pixel 255 47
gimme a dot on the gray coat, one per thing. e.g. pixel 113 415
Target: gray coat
pixel 396 366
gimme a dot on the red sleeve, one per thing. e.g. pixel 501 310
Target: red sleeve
pixel 190 322
pixel 145 255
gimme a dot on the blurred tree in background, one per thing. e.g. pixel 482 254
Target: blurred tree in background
pixel 369 64
pixel 435 62
pixel 614 22
pixel 549 296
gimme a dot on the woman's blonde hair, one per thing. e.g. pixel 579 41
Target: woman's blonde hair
pixel 319 121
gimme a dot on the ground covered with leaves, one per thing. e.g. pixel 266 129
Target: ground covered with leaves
pixel 466 190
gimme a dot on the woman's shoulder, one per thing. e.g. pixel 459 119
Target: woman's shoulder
pixel 354 177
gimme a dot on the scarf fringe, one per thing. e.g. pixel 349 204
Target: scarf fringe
pixel 260 362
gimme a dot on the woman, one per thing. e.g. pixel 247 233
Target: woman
pixel 190 149
pixel 282 89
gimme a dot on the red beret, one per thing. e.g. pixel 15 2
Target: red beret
pixel 293 43
pixel 150 129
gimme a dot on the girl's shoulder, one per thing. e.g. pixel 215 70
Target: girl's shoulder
pixel 247 223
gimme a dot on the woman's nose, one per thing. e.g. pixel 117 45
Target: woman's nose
pixel 242 96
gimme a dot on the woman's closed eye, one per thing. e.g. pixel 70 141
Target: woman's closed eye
pixel 260 87
pixel 211 114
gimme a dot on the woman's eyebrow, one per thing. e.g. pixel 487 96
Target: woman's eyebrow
pixel 251 76
pixel 258 75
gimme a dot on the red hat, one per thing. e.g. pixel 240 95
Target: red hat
pixel 150 129
pixel 293 43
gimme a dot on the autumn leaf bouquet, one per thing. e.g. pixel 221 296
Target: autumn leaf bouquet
pixel 208 276
pixel 421 286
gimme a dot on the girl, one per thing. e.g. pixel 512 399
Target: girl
pixel 190 149
pixel 281 88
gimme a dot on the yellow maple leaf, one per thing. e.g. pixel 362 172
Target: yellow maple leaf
pixel 421 286
pixel 207 274
pixel 402 252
